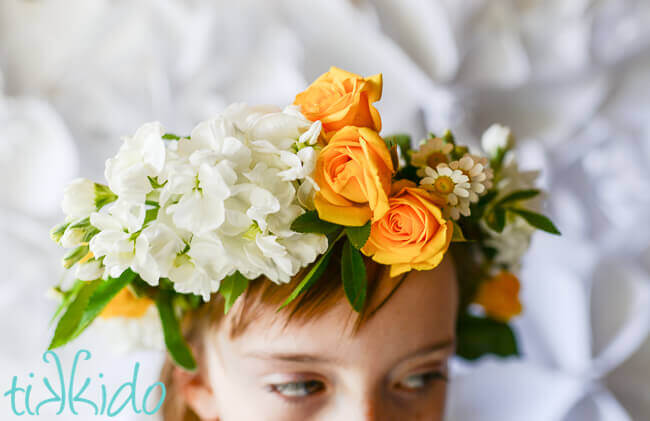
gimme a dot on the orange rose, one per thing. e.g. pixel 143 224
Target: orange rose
pixel 412 234
pixel 339 98
pixel 126 304
pixel 499 296
pixel 353 172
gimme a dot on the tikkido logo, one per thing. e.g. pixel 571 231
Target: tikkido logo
pixel 71 399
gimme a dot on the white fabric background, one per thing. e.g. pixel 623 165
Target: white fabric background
pixel 571 77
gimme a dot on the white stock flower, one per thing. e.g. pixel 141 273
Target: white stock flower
pixel 201 207
pixel 72 237
pixel 202 268
pixel 217 139
pixel 310 137
pixel 245 116
pixel 306 193
pixel 78 199
pixel 280 129
pixel 512 178
pixel 301 164
pixel 496 137
pixel 155 250
pixel 141 156
pixel 226 197
pixel 511 244
pixel 90 270
pixel 304 247
pixel 114 241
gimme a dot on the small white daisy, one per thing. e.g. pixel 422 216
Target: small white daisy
pixel 480 175
pixel 431 153
pixel 454 212
pixel 452 184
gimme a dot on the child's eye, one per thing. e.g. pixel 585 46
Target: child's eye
pixel 298 389
pixel 421 380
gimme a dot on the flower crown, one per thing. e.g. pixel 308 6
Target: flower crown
pixel 260 191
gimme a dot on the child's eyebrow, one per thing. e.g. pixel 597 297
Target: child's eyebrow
pixel 428 349
pixel 325 359
pixel 293 357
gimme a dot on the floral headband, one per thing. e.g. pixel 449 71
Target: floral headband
pixel 260 191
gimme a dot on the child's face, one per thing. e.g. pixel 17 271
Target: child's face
pixel 394 368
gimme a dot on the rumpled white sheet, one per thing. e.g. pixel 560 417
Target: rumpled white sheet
pixel 570 77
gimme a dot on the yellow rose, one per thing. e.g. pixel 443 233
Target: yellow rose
pixel 499 296
pixel 339 98
pixel 353 173
pixel 126 304
pixel 412 234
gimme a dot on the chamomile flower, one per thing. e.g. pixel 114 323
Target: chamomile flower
pixel 433 152
pixel 455 212
pixel 451 184
pixel 479 173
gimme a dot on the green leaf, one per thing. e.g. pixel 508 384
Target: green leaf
pixel 487 198
pixel 496 219
pixel 358 236
pixel 106 290
pixel 409 173
pixel 404 143
pixel 67 297
pixel 353 274
pixel 69 322
pixel 458 235
pixel 86 306
pixel 231 288
pixel 518 195
pixel 448 137
pixel 478 336
pixel 458 152
pixel 170 136
pixel 174 340
pixel 314 273
pixel 536 220
pixel 310 222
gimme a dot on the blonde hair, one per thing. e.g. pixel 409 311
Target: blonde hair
pixel 263 296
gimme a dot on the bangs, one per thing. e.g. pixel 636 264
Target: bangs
pixel 263 298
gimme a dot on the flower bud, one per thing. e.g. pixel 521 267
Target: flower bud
pixel 79 199
pixel 75 255
pixel 57 232
pixel 497 138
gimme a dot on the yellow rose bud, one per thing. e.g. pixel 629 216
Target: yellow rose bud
pixel 126 304
pixel 339 98
pixel 412 234
pixel 499 296
pixel 353 173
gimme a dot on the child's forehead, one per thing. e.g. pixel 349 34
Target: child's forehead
pixel 421 311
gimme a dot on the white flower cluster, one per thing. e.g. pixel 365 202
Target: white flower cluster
pixel 197 209
pixel 512 244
